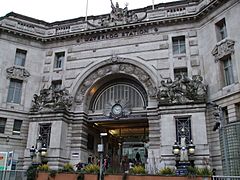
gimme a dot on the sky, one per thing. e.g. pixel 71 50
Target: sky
pixel 58 10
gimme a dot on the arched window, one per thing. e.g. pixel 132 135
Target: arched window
pixel 121 91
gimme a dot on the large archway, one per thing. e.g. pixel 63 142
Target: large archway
pixel 118 107
pixel 115 95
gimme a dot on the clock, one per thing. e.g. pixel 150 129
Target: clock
pixel 117 109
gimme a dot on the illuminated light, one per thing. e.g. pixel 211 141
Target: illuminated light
pixel 113 132
pixel 93 90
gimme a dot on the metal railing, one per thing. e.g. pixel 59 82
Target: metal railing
pixel 13 175
pixel 226 177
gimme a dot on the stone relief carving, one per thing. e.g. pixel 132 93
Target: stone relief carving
pixel 51 99
pixel 112 68
pixel 119 16
pixel 17 73
pixel 182 90
pixel 223 48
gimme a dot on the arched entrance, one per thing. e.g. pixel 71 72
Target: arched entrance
pixel 114 94
pixel 118 107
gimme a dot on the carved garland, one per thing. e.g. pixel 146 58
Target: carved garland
pixel 222 49
pixel 116 65
pixel 17 73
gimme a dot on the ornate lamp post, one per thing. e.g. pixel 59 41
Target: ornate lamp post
pixel 39 153
pixel 183 155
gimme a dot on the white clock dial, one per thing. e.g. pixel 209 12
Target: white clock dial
pixel 117 109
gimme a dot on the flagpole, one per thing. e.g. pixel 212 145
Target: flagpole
pixel 152 4
pixel 86 10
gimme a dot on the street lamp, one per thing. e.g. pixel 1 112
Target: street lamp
pixel 191 148
pixel 183 155
pixel 39 153
pixel 101 150
pixel 176 149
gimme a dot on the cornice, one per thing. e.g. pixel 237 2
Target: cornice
pixel 163 15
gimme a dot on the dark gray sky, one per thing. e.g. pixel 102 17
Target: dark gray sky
pixel 57 10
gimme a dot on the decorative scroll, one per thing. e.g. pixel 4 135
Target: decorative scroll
pixel 183 90
pixel 51 99
pixel 17 73
pixel 223 48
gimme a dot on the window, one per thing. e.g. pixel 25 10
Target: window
pixel 90 143
pixel 20 57
pixel 45 132
pixel 221 30
pixel 227 70
pixel 183 128
pixel 17 127
pixel 15 91
pixel 179 46
pixel 237 107
pixel 56 85
pixel 2 124
pixel 58 61
pixel 180 72
pixel 225 114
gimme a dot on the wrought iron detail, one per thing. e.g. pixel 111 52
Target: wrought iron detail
pixel 183 129
pixel 45 133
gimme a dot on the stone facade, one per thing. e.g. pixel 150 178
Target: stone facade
pixel 170 55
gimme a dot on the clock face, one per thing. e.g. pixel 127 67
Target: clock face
pixel 117 109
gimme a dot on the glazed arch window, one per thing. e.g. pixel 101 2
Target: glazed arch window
pixel 15 91
pixel 221 30
pixel 120 91
pixel 45 133
pixel 20 57
pixel 58 60
pixel 183 128
pixel 179 45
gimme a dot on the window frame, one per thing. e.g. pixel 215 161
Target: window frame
pixel 179 45
pixel 45 133
pixel 20 57
pixel 227 70
pixel 17 130
pixel 3 122
pixel 179 122
pixel 59 60
pixel 15 91
pixel 221 29
pixel 180 71
pixel 56 84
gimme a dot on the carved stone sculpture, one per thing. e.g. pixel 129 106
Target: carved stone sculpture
pixel 223 48
pixel 17 73
pixel 182 90
pixel 51 99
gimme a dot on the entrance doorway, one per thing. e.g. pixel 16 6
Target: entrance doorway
pixel 126 139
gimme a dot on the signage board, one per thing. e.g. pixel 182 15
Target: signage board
pixel 3 160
